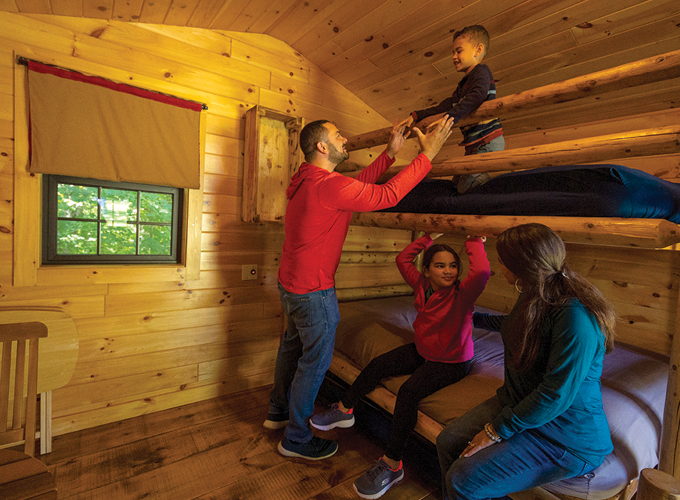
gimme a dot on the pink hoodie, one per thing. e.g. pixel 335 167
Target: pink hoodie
pixel 443 325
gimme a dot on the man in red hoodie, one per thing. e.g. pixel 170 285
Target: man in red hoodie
pixel 320 206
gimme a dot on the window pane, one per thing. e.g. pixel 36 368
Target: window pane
pixel 118 238
pixel 119 205
pixel 76 238
pixel 76 202
pixel 156 207
pixel 155 240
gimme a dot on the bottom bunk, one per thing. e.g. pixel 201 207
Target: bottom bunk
pixel 633 388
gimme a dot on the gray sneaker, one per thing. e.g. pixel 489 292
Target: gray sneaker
pixel 315 449
pixel 276 421
pixel 377 480
pixel 332 418
pixel 471 181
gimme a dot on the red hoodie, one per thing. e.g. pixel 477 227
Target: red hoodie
pixel 443 325
pixel 320 206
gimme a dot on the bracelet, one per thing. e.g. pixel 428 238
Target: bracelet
pixel 491 434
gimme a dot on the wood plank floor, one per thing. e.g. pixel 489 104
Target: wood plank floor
pixel 214 449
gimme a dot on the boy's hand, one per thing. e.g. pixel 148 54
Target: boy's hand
pixel 433 141
pixel 397 136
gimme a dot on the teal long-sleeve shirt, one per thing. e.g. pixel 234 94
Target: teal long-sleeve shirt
pixel 560 398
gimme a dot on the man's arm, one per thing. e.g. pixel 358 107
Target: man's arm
pixel 397 137
pixel 345 193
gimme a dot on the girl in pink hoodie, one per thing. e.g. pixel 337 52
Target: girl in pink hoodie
pixel 439 356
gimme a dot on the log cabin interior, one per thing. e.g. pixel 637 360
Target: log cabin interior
pixel 580 81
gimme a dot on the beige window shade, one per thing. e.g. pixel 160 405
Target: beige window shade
pixel 90 127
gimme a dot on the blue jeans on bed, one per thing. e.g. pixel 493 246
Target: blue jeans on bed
pixel 304 355
pixel 524 461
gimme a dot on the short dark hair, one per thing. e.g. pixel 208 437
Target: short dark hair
pixel 476 33
pixel 313 133
pixel 441 247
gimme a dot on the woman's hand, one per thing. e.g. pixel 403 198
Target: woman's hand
pixel 478 443
pixel 434 236
pixel 483 238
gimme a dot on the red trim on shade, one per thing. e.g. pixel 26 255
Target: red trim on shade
pixel 119 87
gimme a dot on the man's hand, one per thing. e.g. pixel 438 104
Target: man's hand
pixel 397 137
pixel 435 138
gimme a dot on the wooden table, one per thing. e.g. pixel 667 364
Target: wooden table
pixel 23 477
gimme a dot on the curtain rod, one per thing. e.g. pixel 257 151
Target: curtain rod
pixel 24 62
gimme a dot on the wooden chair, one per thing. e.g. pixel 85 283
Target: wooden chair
pixel 22 476
pixel 23 422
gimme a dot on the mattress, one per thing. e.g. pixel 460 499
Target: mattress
pixel 568 190
pixel 633 389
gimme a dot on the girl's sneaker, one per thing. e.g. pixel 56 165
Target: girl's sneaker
pixel 332 418
pixel 377 480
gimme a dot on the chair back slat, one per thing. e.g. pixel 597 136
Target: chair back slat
pixel 27 336
pixel 4 383
pixel 20 365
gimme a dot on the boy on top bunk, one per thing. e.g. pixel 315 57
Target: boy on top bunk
pixel 477 86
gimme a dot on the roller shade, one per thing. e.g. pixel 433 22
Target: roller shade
pixel 85 126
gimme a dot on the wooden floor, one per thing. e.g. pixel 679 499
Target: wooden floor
pixel 215 449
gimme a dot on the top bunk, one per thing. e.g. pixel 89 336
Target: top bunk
pixel 550 183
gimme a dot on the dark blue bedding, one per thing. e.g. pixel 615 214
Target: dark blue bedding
pixel 568 190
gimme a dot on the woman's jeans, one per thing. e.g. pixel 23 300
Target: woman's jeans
pixel 427 377
pixel 304 355
pixel 524 461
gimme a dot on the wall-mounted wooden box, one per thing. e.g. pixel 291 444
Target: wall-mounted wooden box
pixel 272 156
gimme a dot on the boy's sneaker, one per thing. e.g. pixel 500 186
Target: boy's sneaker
pixel 276 421
pixel 315 449
pixel 332 418
pixel 471 181
pixel 377 480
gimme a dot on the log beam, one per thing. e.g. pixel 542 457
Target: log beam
pixel 647 142
pixel 375 292
pixel 669 456
pixel 610 231
pixel 651 69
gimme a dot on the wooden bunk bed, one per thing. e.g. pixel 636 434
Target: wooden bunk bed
pixel 607 232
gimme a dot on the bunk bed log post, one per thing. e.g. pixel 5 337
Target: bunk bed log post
pixel 669 455
pixel 647 142
pixel 645 71
pixel 657 485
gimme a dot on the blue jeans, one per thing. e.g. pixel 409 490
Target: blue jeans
pixel 524 461
pixel 305 353
pixel 496 144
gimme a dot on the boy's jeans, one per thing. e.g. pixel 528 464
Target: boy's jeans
pixel 305 353
pixel 519 463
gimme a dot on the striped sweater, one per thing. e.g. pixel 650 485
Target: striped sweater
pixel 475 88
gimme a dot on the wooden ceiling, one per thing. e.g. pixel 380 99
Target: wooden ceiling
pixel 396 54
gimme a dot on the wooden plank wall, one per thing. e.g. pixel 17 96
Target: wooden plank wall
pixel 150 345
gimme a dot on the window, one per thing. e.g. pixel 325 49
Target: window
pixel 93 221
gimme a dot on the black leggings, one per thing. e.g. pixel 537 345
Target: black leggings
pixel 427 377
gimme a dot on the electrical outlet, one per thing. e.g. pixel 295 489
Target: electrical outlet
pixel 249 272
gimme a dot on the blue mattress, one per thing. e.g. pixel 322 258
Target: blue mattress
pixel 568 190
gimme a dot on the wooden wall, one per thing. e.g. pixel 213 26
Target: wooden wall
pixel 148 344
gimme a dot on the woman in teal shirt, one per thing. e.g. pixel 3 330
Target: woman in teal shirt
pixel 546 422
